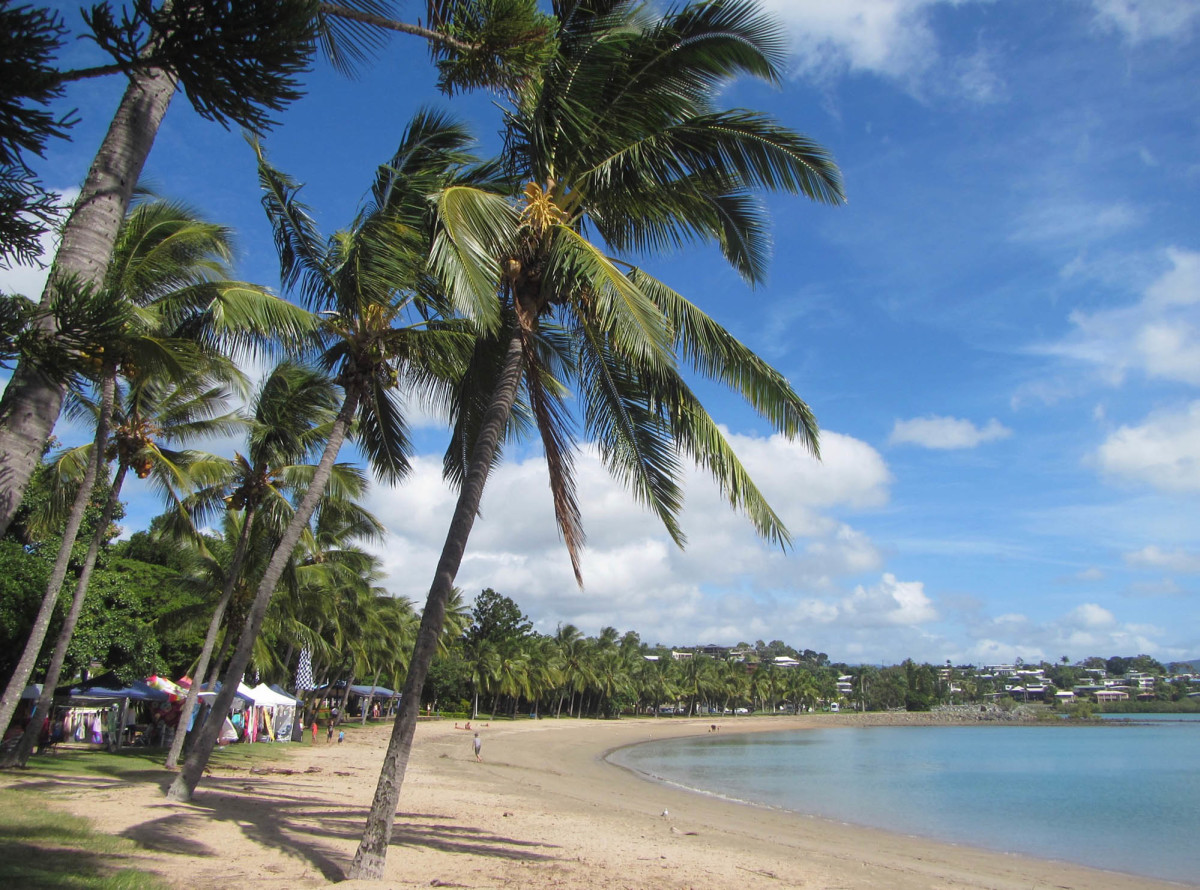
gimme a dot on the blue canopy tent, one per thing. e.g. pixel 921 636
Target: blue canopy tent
pixel 108 690
pixel 135 691
pixel 376 691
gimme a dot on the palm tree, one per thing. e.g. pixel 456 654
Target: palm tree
pixel 573 655
pixel 168 284
pixel 150 414
pixel 290 414
pixel 511 678
pixel 32 401
pixel 484 664
pixel 381 331
pixel 617 137
pixel 260 49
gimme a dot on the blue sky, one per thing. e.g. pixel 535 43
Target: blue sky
pixel 999 333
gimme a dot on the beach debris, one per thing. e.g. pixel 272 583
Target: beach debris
pixel 755 871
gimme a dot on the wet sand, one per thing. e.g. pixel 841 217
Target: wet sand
pixel 543 810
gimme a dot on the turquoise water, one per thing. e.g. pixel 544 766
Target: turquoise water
pixel 1123 797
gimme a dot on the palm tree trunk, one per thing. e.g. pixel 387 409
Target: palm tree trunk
pixel 20 755
pixel 32 400
pixel 210 638
pixel 41 624
pixel 185 783
pixel 345 697
pixel 370 700
pixel 371 857
pixel 214 669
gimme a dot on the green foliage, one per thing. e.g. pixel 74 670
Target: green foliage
pixel 500 43
pixel 496 620
pixel 40 520
pixel 156 548
pixel 236 61
pixel 29 39
pixel 448 683
pixel 61 338
pixel 1081 710
pixel 1182 706
pixel 118 627
pixel 1117 666
pixel 23 578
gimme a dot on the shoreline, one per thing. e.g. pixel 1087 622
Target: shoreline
pixel 545 809
pixel 889 720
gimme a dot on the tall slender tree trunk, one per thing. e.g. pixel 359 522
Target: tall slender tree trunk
pixel 370 700
pixel 371 857
pixel 20 755
pixel 342 703
pixel 41 624
pixel 32 400
pixel 214 669
pixel 185 783
pixel 210 638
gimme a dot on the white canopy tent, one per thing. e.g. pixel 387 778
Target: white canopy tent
pixel 278 711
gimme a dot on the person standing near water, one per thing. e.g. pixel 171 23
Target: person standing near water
pixel 478 744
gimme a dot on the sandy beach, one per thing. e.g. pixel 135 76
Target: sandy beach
pixel 543 809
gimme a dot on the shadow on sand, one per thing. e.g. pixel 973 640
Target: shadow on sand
pixel 299 820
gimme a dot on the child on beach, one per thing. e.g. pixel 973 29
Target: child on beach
pixel 341 736
pixel 478 744
pixel 329 734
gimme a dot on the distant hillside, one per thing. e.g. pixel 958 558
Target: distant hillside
pixel 1194 662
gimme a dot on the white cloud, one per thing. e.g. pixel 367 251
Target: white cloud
pixel 890 602
pixel 1074 223
pixel 1164 452
pixel 889 38
pixel 1143 20
pixel 1090 616
pixel 1087 629
pixel 634 576
pixel 1159 335
pixel 946 433
pixel 1152 557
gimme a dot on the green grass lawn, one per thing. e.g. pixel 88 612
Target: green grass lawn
pixel 40 847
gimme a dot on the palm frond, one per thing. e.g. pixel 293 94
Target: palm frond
pixel 474 229
pixel 714 352
pixel 634 440
pixel 558 445
pixel 302 259
pixel 579 271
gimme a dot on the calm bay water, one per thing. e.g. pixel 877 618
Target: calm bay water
pixel 1123 797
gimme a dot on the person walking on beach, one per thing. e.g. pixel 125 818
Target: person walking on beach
pixel 478 744
pixel 329 735
pixel 314 731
